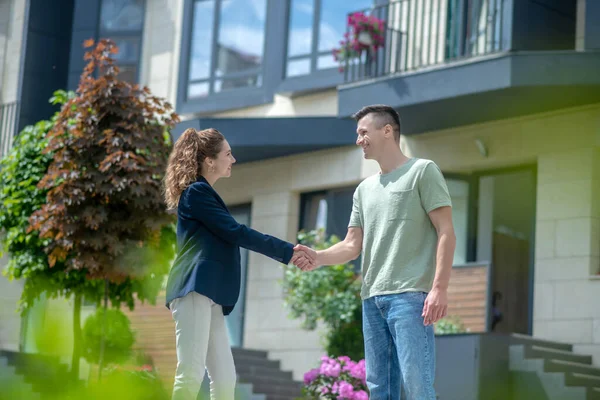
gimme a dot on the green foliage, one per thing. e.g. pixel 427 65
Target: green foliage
pixel 118 337
pixel 449 325
pixel 103 217
pixel 20 172
pixel 328 294
pixel 347 339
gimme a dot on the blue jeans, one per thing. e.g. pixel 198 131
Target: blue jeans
pixel 399 349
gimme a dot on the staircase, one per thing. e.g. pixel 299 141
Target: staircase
pixel 259 378
pixel 13 385
pixel 265 376
pixel 562 374
pixel 31 376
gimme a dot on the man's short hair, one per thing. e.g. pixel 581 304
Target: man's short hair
pixel 384 114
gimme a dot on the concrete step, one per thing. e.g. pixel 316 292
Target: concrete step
pixel 593 394
pixel 533 351
pixel 271 389
pixel 244 362
pixel 577 379
pixel 567 366
pixel 274 381
pixel 517 338
pixel 242 352
pixel 553 383
pixel 248 371
pixel 281 397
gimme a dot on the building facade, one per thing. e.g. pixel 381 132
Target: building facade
pixel 502 94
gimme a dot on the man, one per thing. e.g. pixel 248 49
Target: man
pixel 402 222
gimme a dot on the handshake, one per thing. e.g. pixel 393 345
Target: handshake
pixel 305 258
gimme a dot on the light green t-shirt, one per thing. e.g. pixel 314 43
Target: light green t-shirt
pixel 399 240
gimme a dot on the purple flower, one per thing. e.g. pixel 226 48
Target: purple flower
pixel 310 376
pixel 344 359
pixel 331 369
pixel 346 390
pixel 335 387
pixel 361 395
pixel 358 371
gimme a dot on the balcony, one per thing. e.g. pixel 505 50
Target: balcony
pixel 8 126
pixel 447 63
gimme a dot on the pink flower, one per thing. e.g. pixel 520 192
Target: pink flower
pixel 344 359
pixel 310 376
pixel 346 390
pixel 361 395
pixel 331 369
pixel 335 387
pixel 325 390
pixel 359 372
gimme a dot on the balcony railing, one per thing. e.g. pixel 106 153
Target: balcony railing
pixel 424 33
pixel 9 116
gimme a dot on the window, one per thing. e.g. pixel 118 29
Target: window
pixel 227 46
pixel 459 194
pixel 123 22
pixel 329 210
pixel 315 29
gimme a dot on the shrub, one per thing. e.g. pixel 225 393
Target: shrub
pixel 118 337
pixel 330 295
pixel 449 325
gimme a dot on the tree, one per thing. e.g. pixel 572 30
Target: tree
pixel 20 173
pixel 104 215
pixel 330 295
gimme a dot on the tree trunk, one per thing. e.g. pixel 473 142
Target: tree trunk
pixel 103 337
pixel 76 338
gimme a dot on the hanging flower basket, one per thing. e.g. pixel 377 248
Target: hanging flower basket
pixel 366 33
pixel 365 38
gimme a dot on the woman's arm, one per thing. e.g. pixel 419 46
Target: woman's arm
pixel 199 203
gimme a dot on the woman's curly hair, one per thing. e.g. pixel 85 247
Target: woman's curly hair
pixel 186 159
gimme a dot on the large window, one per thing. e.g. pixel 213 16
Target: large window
pixel 123 22
pixel 227 46
pixel 315 29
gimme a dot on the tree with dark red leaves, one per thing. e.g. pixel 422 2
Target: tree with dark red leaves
pixel 105 213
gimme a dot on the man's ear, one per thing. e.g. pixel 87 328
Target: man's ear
pixel 389 131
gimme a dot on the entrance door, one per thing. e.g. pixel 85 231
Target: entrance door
pixel 505 236
pixel 235 320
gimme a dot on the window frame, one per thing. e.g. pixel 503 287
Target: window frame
pixel 235 98
pixel 317 78
pixel 212 78
pixel 126 34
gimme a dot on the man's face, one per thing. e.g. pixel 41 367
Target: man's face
pixel 370 138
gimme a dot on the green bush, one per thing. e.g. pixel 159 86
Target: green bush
pixel 118 337
pixel 347 339
pixel 330 295
pixel 449 325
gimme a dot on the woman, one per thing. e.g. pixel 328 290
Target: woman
pixel 204 282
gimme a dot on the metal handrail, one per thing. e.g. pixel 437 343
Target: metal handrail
pixel 9 117
pixel 424 33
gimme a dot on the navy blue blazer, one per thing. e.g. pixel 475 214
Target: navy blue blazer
pixel 208 248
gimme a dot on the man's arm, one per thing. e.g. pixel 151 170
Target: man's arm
pixel 436 304
pixel 340 253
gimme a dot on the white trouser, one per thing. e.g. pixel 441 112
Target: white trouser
pixel 202 344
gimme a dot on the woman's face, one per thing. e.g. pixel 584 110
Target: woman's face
pixel 222 164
